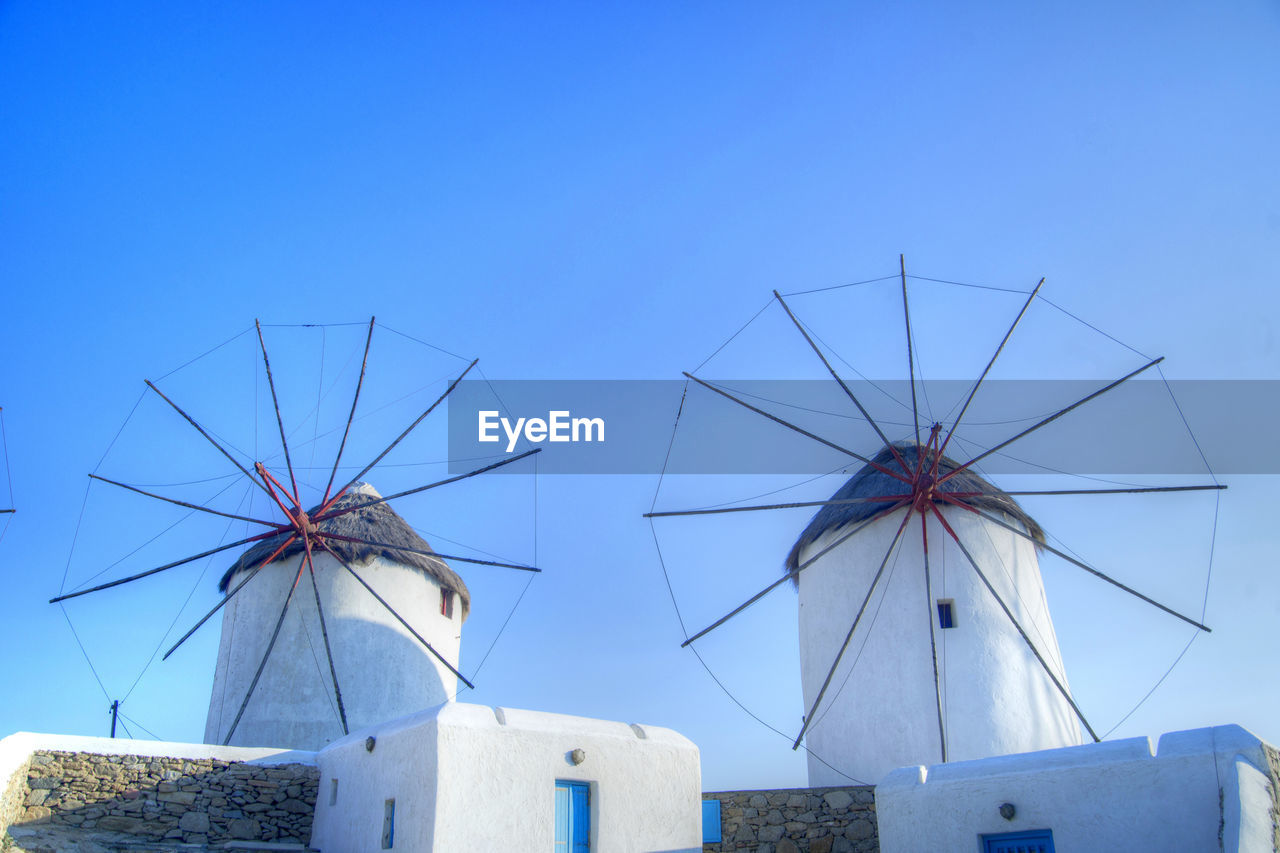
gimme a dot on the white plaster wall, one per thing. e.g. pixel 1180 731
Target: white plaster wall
pixel 469 777
pixel 1108 796
pixel 402 766
pixel 1246 809
pixel 880 711
pixel 383 671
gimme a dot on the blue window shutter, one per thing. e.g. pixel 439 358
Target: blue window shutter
pixel 946 614
pixel 562 819
pixel 710 821
pixel 1032 841
pixel 573 817
pixel 581 819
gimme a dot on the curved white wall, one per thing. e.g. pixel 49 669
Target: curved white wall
pixel 382 670
pixel 1202 790
pixel 880 711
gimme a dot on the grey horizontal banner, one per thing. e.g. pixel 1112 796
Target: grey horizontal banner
pixel 625 426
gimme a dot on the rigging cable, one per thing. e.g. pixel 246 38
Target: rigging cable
pixel 680 617
pixel 4 438
pixel 527 583
pixel 139 725
pixel 1217 500
pixel 742 329
pixel 1213 542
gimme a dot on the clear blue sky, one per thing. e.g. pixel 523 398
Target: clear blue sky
pixel 608 191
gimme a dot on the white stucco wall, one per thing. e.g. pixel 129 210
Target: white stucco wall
pixel 1246 809
pixel 1117 795
pixel 470 777
pixel 383 671
pixel 880 711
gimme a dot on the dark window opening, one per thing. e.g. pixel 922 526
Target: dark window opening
pixel 446 603
pixel 946 613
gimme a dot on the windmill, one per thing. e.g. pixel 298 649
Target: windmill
pixel 386 606
pixel 895 670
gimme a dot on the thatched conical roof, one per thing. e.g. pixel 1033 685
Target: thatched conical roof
pixel 869 482
pixel 373 523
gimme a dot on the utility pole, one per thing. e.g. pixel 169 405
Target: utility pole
pixel 115 715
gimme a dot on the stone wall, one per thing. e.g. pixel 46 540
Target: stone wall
pixel 798 820
pixel 13 795
pixel 192 800
pixel 1273 771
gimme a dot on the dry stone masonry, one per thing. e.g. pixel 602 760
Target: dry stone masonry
pixel 13 794
pixel 798 820
pixel 1273 771
pixel 192 801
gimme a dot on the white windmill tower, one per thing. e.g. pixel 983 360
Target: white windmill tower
pixel 388 668
pixel 372 633
pixel 925 633
pixel 941 671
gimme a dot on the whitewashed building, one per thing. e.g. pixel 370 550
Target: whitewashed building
pixel 470 777
pixel 1202 790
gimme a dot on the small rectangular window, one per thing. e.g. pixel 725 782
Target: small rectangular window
pixel 333 792
pixel 389 824
pixel 446 603
pixel 946 613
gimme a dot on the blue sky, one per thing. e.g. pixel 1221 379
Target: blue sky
pixel 607 191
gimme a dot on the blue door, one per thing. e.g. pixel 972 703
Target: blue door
pixel 1033 841
pixel 710 821
pixel 573 817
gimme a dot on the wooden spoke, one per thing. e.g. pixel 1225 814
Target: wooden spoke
pixel 911 364
pixel 201 430
pixel 1127 491
pixel 1030 645
pixel 275 403
pixel 797 505
pixel 399 438
pixel 230 595
pixel 398 617
pixel 813 709
pixel 272 484
pixel 1048 420
pixel 275 634
pixel 883 470
pixel 1012 528
pixel 933 646
pixel 883 438
pixel 371 501
pixel 364 362
pixel 789 576
pixel 425 553
pixel 184 503
pixel 324 632
pixel 985 371
pixel 166 566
